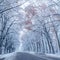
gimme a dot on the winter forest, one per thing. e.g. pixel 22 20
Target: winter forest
pixel 30 25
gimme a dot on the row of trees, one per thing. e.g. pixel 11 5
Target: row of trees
pixel 43 23
pixel 9 26
pixel 32 24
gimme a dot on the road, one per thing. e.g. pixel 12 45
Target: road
pixel 28 56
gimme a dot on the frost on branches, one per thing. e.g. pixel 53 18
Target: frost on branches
pixel 30 25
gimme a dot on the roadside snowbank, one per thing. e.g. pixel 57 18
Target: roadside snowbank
pixel 53 55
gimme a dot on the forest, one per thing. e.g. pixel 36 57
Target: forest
pixel 30 25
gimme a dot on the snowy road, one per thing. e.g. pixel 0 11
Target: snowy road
pixel 27 56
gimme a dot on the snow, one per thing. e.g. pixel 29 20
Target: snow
pixel 7 55
pixel 25 5
pixel 53 55
pixel 34 39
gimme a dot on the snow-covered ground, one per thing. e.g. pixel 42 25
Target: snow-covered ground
pixel 53 55
pixel 29 56
pixel 7 55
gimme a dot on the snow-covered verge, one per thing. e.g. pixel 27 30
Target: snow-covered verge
pixel 7 55
pixel 53 55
